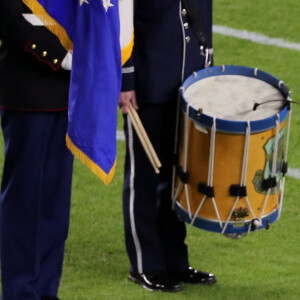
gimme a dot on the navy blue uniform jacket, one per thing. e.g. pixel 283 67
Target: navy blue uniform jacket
pixel 30 58
pixel 161 51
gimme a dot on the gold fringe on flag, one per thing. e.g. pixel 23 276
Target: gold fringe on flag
pixel 127 51
pixel 106 178
pixel 50 23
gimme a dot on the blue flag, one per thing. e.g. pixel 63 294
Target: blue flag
pixel 91 28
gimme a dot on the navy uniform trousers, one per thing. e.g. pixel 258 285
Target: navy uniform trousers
pixel 35 203
pixel 155 236
pixel 165 52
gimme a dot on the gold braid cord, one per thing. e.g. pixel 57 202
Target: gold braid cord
pixel 50 23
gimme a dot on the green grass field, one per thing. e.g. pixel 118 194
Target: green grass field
pixel 264 265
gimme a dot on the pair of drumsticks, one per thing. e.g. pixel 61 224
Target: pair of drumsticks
pixel 144 139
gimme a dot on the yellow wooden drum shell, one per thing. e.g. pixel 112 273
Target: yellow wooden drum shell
pixel 229 151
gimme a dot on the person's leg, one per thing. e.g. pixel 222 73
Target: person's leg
pixel 139 207
pixel 172 231
pixel 154 236
pixel 55 207
pixel 26 137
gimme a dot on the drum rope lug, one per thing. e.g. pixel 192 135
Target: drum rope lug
pixel 269 183
pixel 238 190
pixel 205 189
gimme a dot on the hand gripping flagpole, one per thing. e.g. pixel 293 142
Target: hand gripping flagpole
pixel 144 139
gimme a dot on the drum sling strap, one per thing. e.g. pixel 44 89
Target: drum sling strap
pixel 196 21
pixel 195 18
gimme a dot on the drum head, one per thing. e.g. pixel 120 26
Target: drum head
pixel 232 97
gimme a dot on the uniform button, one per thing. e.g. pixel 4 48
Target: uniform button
pixel 55 61
pixel 184 12
pixel 33 46
pixel 186 25
pixel 187 39
pixel 44 53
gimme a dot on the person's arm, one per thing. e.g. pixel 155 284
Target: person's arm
pixel 20 29
pixel 128 87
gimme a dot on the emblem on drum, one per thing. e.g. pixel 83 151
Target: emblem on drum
pixel 262 175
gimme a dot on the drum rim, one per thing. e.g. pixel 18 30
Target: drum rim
pixel 213 225
pixel 231 126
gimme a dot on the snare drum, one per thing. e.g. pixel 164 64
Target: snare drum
pixel 232 147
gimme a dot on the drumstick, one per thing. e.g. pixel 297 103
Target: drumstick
pixel 142 140
pixel 145 136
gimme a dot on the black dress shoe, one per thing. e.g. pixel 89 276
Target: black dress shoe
pixel 193 276
pixel 49 298
pixel 156 282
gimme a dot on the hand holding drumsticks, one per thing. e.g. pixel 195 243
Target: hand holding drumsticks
pixel 129 108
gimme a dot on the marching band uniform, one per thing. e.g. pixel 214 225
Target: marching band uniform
pixel 166 51
pixel 36 180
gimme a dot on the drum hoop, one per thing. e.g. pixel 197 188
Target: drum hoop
pixel 229 126
pixel 213 225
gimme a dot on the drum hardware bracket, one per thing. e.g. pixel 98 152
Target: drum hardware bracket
pixel 199 112
pixel 255 224
pixel 268 224
pixel 182 175
pixel 209 191
pixel 269 183
pixel 240 213
pixel 208 53
pixel 236 190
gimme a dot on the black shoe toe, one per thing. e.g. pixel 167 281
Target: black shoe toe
pixel 191 275
pixel 156 282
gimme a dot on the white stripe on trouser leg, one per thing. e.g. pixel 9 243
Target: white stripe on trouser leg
pixel 131 198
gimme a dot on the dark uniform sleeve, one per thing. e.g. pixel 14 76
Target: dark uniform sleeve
pixel 36 42
pixel 128 76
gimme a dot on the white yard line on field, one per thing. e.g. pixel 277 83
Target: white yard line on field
pixel 120 135
pixel 255 37
pixel 292 172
